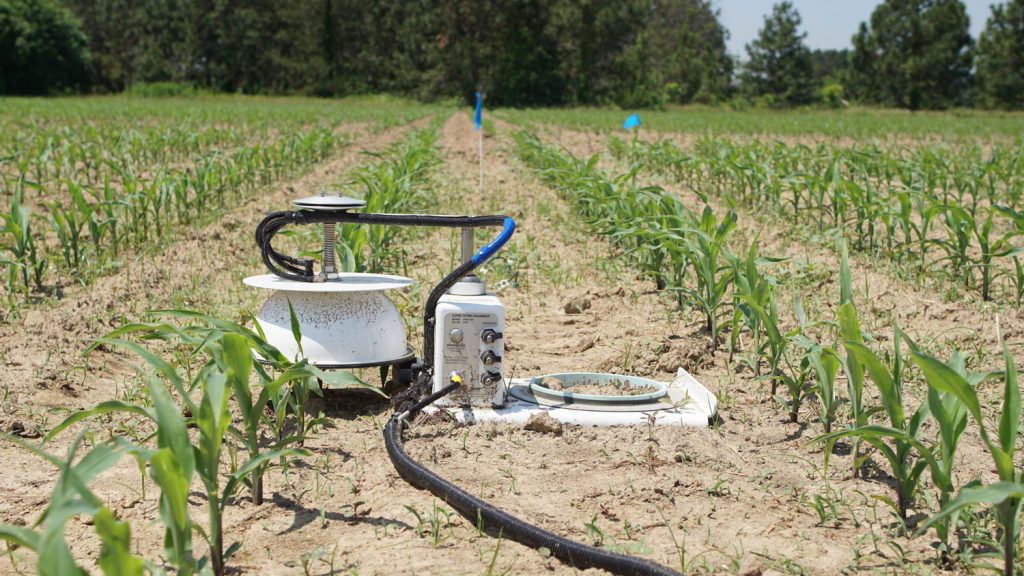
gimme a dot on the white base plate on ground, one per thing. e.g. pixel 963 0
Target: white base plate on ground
pixel 689 403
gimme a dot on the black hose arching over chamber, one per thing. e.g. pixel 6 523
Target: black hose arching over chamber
pixel 301 269
pixel 490 517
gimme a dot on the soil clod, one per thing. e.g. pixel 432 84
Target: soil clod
pixel 544 424
pixel 576 305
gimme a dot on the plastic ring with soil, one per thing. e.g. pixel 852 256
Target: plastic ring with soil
pixel 594 382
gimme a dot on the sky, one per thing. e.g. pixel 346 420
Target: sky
pixel 828 23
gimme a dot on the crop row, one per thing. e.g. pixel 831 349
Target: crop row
pixel 952 211
pixel 92 140
pixel 101 221
pixel 396 183
pixel 804 357
pixel 89 153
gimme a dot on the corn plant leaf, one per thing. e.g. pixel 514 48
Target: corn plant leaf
pixel 845 277
pixel 339 379
pixel 1009 420
pixel 256 336
pixel 882 378
pixel 20 535
pixel 945 379
pixel 149 330
pixel 54 556
pixel 237 357
pixel 849 328
pixel 172 432
pixel 875 434
pixel 115 555
pixel 993 494
pixel 167 471
pixel 213 421
pixel 238 477
pixel 296 329
pixel 157 363
pixel 102 408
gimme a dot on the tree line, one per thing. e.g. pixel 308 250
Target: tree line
pixel 631 53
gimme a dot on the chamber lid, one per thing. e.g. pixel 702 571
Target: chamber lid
pixel 327 202
pixel 345 282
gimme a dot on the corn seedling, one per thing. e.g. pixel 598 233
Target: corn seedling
pixel 752 291
pixel 71 498
pixel 819 365
pixel 178 459
pixel 825 363
pixel 25 259
pixel 710 260
pixel 1007 494
pixel 907 457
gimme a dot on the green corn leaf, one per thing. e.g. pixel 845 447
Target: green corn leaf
pixel 97 410
pixel 883 380
pixel 20 535
pixel 1009 421
pixel 167 471
pixel 875 434
pixel 238 477
pixel 946 380
pixel 993 494
pixel 115 555
pixel 845 277
pixel 237 357
pixel 296 330
pixel 849 328
pixel 55 558
pixel 255 336
pixel 213 421
pixel 172 432
pixel 157 363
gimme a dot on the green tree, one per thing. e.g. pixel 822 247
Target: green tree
pixel 42 49
pixel 690 45
pixel 519 52
pixel 1000 59
pixel 109 26
pixel 914 54
pixel 830 66
pixel 863 84
pixel 779 63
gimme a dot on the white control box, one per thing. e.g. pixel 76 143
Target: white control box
pixel 469 340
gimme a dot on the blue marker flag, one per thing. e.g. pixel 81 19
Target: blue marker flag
pixel 631 122
pixel 478 116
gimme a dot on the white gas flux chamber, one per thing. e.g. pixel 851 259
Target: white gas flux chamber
pixel 347 320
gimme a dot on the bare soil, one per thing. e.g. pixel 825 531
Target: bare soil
pixel 613 387
pixel 736 498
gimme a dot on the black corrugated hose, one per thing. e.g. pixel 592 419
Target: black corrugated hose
pixel 476 510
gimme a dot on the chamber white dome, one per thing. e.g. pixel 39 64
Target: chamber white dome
pixel 345 322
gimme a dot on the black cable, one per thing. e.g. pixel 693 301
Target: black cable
pixel 490 517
